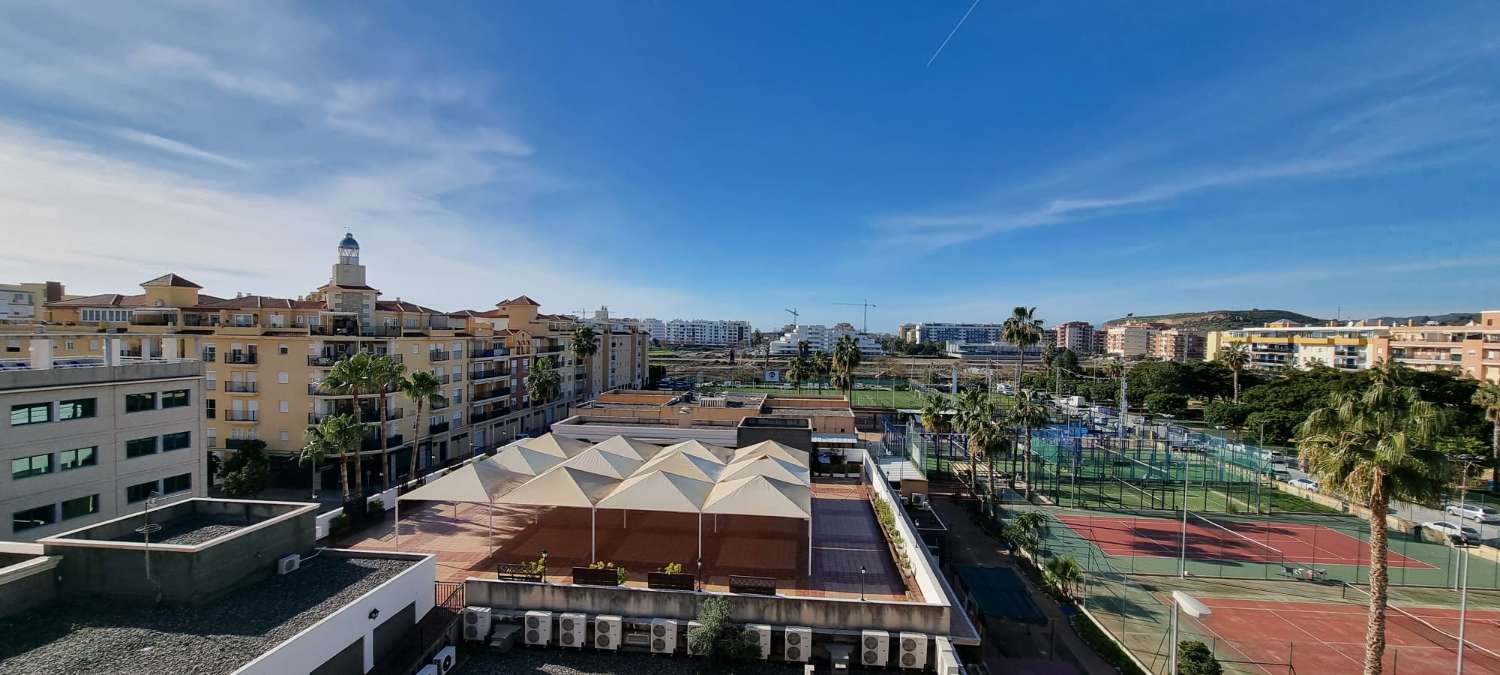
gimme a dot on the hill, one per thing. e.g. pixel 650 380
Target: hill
pixel 1449 319
pixel 1220 319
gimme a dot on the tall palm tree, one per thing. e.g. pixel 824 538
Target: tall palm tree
pixel 977 419
pixel 421 388
pixel 354 376
pixel 585 346
pixel 386 375
pixel 935 414
pixel 543 383
pixel 316 450
pixel 1023 330
pixel 1375 446
pixel 1488 398
pixel 799 372
pixel 822 366
pixel 335 435
pixel 1028 412
pixel 1236 356
pixel 845 360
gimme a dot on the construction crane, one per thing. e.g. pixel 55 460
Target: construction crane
pixel 866 305
pixel 793 312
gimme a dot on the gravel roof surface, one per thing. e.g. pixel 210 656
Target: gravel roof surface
pixel 522 661
pixel 83 637
pixel 189 531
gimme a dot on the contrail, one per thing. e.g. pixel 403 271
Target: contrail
pixel 952 32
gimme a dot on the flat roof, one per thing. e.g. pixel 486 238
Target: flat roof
pixel 82 636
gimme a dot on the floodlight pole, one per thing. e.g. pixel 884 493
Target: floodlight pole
pixel 1182 561
pixel 1463 602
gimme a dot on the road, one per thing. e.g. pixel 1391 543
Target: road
pixel 1422 514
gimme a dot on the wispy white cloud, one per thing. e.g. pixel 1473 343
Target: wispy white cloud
pixel 174 147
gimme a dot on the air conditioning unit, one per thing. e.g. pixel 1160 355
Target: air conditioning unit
pixel 477 622
pixel 692 649
pixel 446 658
pixel 798 644
pixel 663 636
pixel 607 630
pixel 759 635
pixel 874 648
pixel 288 564
pixel 572 630
pixel 913 650
pixel 429 669
pixel 919 500
pixel 539 628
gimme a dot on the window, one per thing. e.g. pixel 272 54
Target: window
pixel 285 437
pixel 178 483
pixel 282 347
pixel 174 399
pixel 210 408
pixel 140 492
pixel 30 413
pixel 35 465
pixel 140 447
pixel 37 517
pixel 177 441
pixel 77 458
pixel 282 378
pixel 283 406
pixel 82 506
pixel 139 402
pixel 76 409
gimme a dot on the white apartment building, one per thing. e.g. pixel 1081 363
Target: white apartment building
pixel 86 440
pixel 702 332
pixel 656 328
pixel 934 331
pixel 1077 336
pixel 821 338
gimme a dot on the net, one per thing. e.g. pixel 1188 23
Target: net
pixel 1474 654
pixel 1232 544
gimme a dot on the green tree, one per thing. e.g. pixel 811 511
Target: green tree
pixel 976 419
pixel 935 413
pixel 1375 446
pixel 336 435
pixel 1487 397
pixel 1236 356
pixel 716 636
pixel 543 383
pixel 1027 412
pixel 1195 658
pixel 316 450
pixel 421 388
pixel 1049 355
pixel 800 371
pixel 247 471
pixel 1066 359
pixel 822 367
pixel 1023 330
pixel 1226 414
pixel 845 360
pixel 1065 572
pixel 386 376
pixel 354 376
pixel 585 346
pixel 1274 427
pixel 1165 403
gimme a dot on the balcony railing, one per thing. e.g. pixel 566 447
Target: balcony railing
pixel 240 387
pixel 442 379
pixel 240 358
pixel 437 428
pixel 241 415
pixel 237 443
pixel 373 442
pixel 488 353
pixel 208 356
pixel 488 374
pixel 484 416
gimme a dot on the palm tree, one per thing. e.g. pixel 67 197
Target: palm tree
pixel 585 346
pixel 316 450
pixel 386 374
pixel 977 420
pixel 1375 446
pixel 421 388
pixel 1488 398
pixel 845 360
pixel 1049 354
pixel 354 376
pixel 542 382
pixel 335 435
pixel 1236 356
pixel 1066 573
pixel 1027 413
pixel 822 366
pixel 935 414
pixel 1023 330
pixel 800 370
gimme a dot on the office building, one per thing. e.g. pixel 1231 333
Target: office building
pixel 821 339
pixel 1077 336
pixel 87 439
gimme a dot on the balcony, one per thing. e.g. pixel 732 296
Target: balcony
pixel 483 396
pixel 240 387
pixel 200 320
pixel 489 353
pixel 237 443
pixel 442 379
pixel 373 443
pixel 481 375
pixel 439 356
pixel 240 358
pixel 207 356
pixel 486 415
pixel 437 428
pixel 242 415
pixel 322 361
pixel 549 349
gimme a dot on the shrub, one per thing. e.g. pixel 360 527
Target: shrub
pixel 887 519
pixel 536 567
pixel 247 471
pixel 338 524
pixel 374 507
pixel 1195 658
pixel 715 636
pixel 620 572
pixel 672 568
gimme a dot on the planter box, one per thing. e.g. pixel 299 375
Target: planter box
pixel 588 576
pixel 674 582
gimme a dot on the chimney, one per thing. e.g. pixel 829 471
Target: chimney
pixel 54 291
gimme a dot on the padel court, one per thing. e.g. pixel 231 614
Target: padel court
pixel 1253 541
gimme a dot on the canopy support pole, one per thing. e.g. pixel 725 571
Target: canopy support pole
pixel 624 518
pixel 593 552
pixel 492 528
pixel 700 538
pixel 809 547
pixel 397 524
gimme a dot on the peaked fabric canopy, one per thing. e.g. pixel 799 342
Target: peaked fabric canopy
pixel 770 467
pixel 554 445
pixel 562 486
pixel 773 449
pixel 700 449
pixel 594 460
pixel 521 459
pixel 621 445
pixel 481 482
pixel 685 464
pixel 659 491
pixel 760 496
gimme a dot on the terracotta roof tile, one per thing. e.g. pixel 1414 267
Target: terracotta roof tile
pixel 170 279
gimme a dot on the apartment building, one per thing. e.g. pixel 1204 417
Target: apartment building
pixel 1137 340
pixel 959 332
pixel 656 328
pixel 821 338
pixel 1077 336
pixel 706 333
pixel 264 359
pixel 23 302
pixel 89 439
pixel 620 362
pixel 1473 350
pixel 1130 341
pixel 1177 344
pixel 907 332
pixel 1285 345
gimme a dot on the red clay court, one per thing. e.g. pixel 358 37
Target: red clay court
pixel 1329 638
pixel 1258 541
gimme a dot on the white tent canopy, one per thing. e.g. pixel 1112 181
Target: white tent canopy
pixel 481 482
pixel 760 496
pixel 770 467
pixel 554 445
pixel 562 486
pixel 521 459
pixel 659 491
pixel 621 445
pixel 773 449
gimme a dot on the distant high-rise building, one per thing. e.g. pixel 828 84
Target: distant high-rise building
pixel 699 332
pixel 656 328
pixel 1154 340
pixel 907 332
pixel 1077 336
pixel 973 333
pixel 821 339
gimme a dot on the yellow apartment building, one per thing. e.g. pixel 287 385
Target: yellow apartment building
pixel 1284 345
pixel 1473 350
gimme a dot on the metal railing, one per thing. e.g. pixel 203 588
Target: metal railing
pixel 242 415
pixel 240 387
pixel 240 358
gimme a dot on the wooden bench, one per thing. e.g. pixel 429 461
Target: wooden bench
pixel 589 576
pixel 752 585
pixel 516 572
pixel 671 582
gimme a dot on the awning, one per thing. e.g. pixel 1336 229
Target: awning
pixel 760 496
pixel 480 482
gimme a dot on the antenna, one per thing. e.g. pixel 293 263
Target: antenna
pixel 866 304
pixel 793 312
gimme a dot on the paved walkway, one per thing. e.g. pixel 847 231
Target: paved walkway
pixel 970 545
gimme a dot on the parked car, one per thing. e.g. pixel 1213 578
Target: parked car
pixel 1304 483
pixel 1453 530
pixel 1483 514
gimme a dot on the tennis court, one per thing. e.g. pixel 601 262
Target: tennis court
pixel 1323 638
pixel 1248 541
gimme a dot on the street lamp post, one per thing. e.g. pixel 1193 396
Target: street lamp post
pixel 862 584
pixel 1182 602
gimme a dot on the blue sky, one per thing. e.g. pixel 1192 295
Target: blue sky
pixel 729 160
